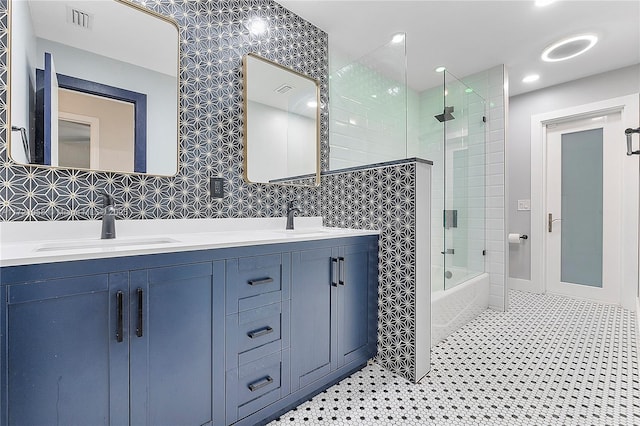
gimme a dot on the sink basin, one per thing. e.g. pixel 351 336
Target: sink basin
pixel 103 244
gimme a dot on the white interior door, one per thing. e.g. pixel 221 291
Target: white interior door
pixel 584 208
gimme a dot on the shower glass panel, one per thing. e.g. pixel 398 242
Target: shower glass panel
pixel 368 119
pixel 463 175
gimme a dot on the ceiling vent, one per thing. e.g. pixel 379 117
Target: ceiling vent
pixel 283 89
pixel 79 19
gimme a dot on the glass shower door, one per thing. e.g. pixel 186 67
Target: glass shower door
pixel 463 217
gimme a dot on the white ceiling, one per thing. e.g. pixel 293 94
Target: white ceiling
pixel 117 31
pixel 472 36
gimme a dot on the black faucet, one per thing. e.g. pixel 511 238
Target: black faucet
pixel 290 212
pixel 108 217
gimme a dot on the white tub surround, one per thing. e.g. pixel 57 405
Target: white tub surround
pixel 23 243
pixel 451 309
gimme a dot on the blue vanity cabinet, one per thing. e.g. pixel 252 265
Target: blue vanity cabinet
pixel 134 346
pixel 355 294
pixel 333 309
pixel 257 333
pixel 65 362
pixel 170 340
pixel 314 313
pixel 224 336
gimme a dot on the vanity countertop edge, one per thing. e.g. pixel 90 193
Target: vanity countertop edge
pixel 182 235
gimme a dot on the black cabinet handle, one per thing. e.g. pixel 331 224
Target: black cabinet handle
pixel 341 274
pixel 260 383
pixel 260 332
pixel 140 312
pixel 120 326
pixel 334 270
pixel 260 281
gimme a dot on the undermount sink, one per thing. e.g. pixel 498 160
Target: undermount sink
pixel 302 232
pixel 115 243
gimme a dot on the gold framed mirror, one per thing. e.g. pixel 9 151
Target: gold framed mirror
pixel 281 124
pixel 84 95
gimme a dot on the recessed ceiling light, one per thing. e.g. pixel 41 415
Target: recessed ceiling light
pixel 440 69
pixel 542 3
pixel 531 78
pixel 569 48
pixel 398 38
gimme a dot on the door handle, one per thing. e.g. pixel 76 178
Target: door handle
pixel 120 318
pixel 550 221
pixel 140 312
pixel 334 271
pixel 341 270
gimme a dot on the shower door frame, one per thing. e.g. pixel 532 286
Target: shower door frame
pixel 629 107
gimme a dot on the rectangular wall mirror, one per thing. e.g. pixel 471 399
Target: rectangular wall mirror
pixel 94 85
pixel 281 124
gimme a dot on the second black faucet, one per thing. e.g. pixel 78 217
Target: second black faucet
pixel 290 212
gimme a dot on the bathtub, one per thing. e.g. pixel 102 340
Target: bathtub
pixel 454 307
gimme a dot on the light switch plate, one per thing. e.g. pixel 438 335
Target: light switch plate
pixel 216 187
pixel 524 205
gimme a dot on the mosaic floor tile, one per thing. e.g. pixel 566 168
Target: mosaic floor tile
pixel 549 360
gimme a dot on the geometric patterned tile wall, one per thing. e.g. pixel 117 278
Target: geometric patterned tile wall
pixel 384 199
pixel 213 41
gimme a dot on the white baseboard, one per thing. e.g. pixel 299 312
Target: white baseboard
pixel 523 285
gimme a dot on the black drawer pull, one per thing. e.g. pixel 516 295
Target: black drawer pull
pixel 260 332
pixel 260 281
pixel 260 383
pixel 341 271
pixel 120 317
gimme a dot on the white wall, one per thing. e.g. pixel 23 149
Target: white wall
pixel 600 87
pixel 274 150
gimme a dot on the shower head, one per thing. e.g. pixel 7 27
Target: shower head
pixel 446 115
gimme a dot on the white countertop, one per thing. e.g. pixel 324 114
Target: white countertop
pixel 25 243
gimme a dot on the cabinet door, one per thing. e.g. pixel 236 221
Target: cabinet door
pixel 171 326
pixel 353 297
pixel 313 346
pixel 65 363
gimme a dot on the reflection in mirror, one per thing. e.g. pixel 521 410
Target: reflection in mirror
pixel 281 122
pixel 91 97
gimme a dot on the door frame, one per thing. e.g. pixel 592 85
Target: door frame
pixel 94 137
pixel 628 106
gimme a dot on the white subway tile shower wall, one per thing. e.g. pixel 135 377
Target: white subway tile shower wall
pixel 368 113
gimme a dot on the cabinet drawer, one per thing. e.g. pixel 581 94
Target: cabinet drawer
pixel 258 275
pixel 253 386
pixel 259 326
pixel 249 277
pixel 259 377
